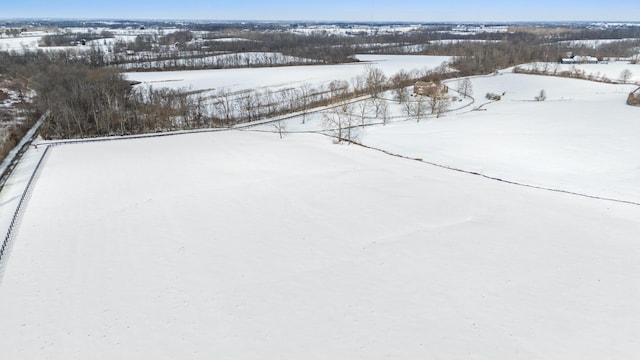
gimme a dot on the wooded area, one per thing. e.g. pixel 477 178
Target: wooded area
pixel 87 95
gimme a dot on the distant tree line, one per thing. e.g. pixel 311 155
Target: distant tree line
pixel 87 96
pixel 68 39
pixel 86 100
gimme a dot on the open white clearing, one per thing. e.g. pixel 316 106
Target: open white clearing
pixel 583 138
pixel 286 76
pixel 240 245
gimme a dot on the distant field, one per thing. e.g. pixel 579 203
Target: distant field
pixel 241 79
pixel 611 70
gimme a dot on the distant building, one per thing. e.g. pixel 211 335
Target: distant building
pixel 429 88
pixel 580 60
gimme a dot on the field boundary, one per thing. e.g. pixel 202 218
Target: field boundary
pixel 475 173
pixel 14 156
pixel 12 230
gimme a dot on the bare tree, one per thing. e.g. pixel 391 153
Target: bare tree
pixel 382 110
pixel 280 126
pixel 290 97
pixel 438 99
pixel 363 110
pixel 399 83
pixel 339 121
pixel 542 96
pixel 418 108
pixel 225 106
pixel 442 105
pixel 305 99
pixel 625 75
pixel 248 104
pixel 375 80
pixel 338 89
pixel 465 88
pixel 270 101
pixel 378 104
pixel 359 83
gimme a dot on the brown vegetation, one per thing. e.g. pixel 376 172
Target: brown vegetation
pixel 87 99
pixel 634 98
pixel 574 73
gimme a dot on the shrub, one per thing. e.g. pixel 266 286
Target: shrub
pixel 492 96
pixel 634 98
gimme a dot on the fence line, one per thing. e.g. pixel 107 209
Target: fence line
pixel 13 157
pixel 475 173
pixel 7 244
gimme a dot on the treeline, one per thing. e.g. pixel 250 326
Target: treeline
pixel 481 52
pixel 483 58
pixel 88 98
pixel 88 101
pixel 183 44
pixel 164 61
pixel 12 135
pixel 18 119
pixel 619 32
pixel 72 39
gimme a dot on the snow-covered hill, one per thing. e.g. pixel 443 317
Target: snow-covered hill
pixel 582 138
pixel 241 245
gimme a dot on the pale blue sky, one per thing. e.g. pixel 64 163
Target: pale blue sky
pixel 349 10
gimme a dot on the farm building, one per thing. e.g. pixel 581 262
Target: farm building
pixel 429 88
pixel 580 60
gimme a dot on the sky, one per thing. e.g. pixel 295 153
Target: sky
pixel 331 10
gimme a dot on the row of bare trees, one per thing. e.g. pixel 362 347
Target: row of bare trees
pixel 87 100
pixel 177 60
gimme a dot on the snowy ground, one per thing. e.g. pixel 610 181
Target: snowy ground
pixel 583 138
pixel 238 244
pixel 611 70
pixel 593 43
pixel 242 79
pixel 19 43
pixel 298 248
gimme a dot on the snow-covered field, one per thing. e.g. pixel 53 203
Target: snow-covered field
pixel 611 70
pixel 259 248
pixel 593 43
pixel 31 40
pixel 239 244
pixel 583 138
pixel 251 78
pixel 19 43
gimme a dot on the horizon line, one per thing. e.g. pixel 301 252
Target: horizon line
pixel 315 21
